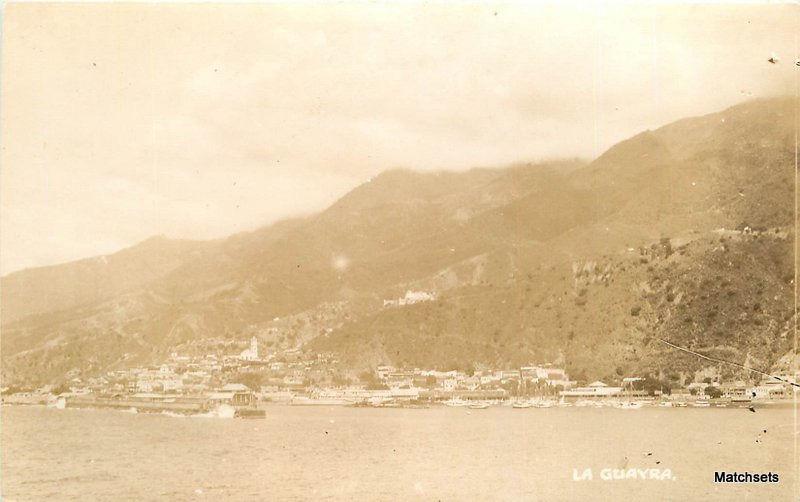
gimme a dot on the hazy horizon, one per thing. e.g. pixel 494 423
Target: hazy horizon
pixel 203 121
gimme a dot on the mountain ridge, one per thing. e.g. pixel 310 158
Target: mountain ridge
pixel 482 238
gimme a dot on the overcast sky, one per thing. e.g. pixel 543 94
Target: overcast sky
pixel 124 121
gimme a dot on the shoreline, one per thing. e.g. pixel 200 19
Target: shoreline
pixel 188 410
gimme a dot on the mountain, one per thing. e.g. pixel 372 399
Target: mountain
pixel 683 233
pixel 62 287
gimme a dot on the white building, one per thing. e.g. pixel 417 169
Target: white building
pixel 594 389
pixel 410 298
pixel 384 371
pixel 251 353
pixel 450 383
pixel 172 384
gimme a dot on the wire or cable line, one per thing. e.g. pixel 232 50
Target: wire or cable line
pixel 716 360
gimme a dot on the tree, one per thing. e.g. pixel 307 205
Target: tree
pixel 60 389
pixel 370 381
pixel 652 384
pixel 340 380
pixel 713 392
pixel 251 380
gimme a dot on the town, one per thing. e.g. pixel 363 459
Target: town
pixel 249 380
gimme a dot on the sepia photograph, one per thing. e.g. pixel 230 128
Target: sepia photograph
pixel 399 251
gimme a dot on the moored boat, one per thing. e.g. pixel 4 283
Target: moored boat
pixel 628 405
pixel 58 403
pixel 250 413
pixel 318 401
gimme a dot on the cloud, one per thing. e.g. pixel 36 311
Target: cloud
pixel 202 120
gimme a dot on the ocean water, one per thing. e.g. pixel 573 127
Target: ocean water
pixel 335 453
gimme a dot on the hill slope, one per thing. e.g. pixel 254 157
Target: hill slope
pixel 581 264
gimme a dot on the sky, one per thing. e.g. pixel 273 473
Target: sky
pixel 123 121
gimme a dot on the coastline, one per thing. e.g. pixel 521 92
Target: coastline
pixel 198 409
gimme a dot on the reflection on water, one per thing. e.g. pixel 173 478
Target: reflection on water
pixel 393 454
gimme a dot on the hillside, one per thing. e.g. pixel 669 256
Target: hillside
pixel 581 264
pixel 62 287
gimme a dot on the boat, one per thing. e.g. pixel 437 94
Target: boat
pixel 318 401
pixel 387 403
pixel 58 403
pixel 456 402
pixel 521 404
pixel 701 403
pixel 665 404
pixel 480 405
pixel 379 401
pixel 628 405
pixel 250 413
pixel 544 404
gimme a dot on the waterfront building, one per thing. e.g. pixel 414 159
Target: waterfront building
pixel 681 393
pixel 698 387
pixel 449 383
pixel 768 390
pixel 235 394
pixel 734 390
pixel 596 389
pixel 399 379
pixel 217 397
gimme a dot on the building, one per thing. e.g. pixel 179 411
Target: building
pixel 734 390
pixel 384 371
pixel 680 394
pixel 217 398
pixel 147 386
pixel 534 373
pixel 171 384
pixel 399 379
pixel 410 298
pixel 557 376
pixel 769 389
pixel 595 389
pixel 251 353
pixel 235 394
pixel 699 388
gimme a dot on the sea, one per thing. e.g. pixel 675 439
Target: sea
pixel 437 453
